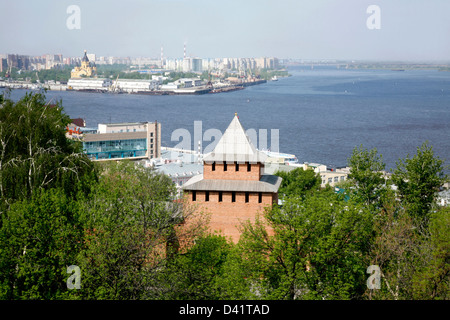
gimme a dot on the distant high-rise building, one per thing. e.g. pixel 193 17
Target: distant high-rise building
pixel 3 64
pixel 192 65
pixel 196 64
pixel 186 65
pixel 92 57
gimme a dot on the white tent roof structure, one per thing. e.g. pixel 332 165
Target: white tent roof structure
pixel 235 146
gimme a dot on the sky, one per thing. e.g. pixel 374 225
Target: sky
pixel 409 30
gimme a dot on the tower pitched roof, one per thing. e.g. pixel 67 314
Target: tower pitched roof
pixel 235 146
pixel 85 58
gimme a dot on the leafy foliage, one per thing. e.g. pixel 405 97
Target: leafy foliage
pixel 34 151
pixel 196 273
pixel 432 277
pixel 130 223
pixel 298 182
pixel 366 173
pixel 39 239
pixel 418 180
pixel 317 250
pixel 123 226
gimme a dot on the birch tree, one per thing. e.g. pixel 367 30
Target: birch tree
pixel 34 151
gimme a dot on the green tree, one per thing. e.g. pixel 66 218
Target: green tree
pixel 418 180
pixel 35 153
pixel 366 168
pixel 318 251
pixel 40 237
pixel 395 250
pixel 133 225
pixel 432 277
pixel 194 274
pixel 413 261
pixel 298 182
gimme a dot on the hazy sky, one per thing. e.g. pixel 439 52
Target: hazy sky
pixel 308 29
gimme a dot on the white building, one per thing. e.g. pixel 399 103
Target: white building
pixel 101 84
pixel 174 64
pixel 135 85
pixel 192 65
pixel 122 127
pixel 443 198
pixel 189 82
pixel 170 86
pixel 91 56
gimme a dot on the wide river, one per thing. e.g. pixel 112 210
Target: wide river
pixel 321 114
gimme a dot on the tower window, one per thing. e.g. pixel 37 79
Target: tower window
pixel 213 166
pixel 237 167
pixel 194 195
pixel 233 196
pixel 220 196
pixel 260 197
pixel 224 166
pixel 206 196
pixel 249 167
pixel 247 197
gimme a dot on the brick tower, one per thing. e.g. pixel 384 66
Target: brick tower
pixel 233 186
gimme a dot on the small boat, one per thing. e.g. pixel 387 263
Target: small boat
pixel 274 78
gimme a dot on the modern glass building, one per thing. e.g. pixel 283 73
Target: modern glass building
pixel 124 141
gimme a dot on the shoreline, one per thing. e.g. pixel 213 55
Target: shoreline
pixel 195 91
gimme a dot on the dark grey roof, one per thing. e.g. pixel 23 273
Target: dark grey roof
pixel 91 137
pixel 85 58
pixel 267 183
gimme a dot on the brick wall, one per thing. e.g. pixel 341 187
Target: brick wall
pixel 226 216
pixel 231 173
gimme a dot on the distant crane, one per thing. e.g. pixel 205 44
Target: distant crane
pixel 38 81
pixel 114 86
pixel 250 73
pixel 209 78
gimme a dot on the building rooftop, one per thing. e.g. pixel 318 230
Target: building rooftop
pixel 175 169
pixel 120 124
pixel 115 136
pixel 134 80
pixel 79 122
pixel 88 79
pixel 267 183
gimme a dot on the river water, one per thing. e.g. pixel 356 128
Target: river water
pixel 321 114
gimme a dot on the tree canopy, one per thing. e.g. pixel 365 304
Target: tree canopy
pixel 34 151
pixel 298 182
pixel 418 179
pixel 131 237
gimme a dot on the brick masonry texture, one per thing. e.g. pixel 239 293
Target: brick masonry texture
pixel 226 216
pixel 231 173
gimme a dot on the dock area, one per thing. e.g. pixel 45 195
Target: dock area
pixel 102 88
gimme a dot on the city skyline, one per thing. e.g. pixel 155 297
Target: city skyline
pixel 324 29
